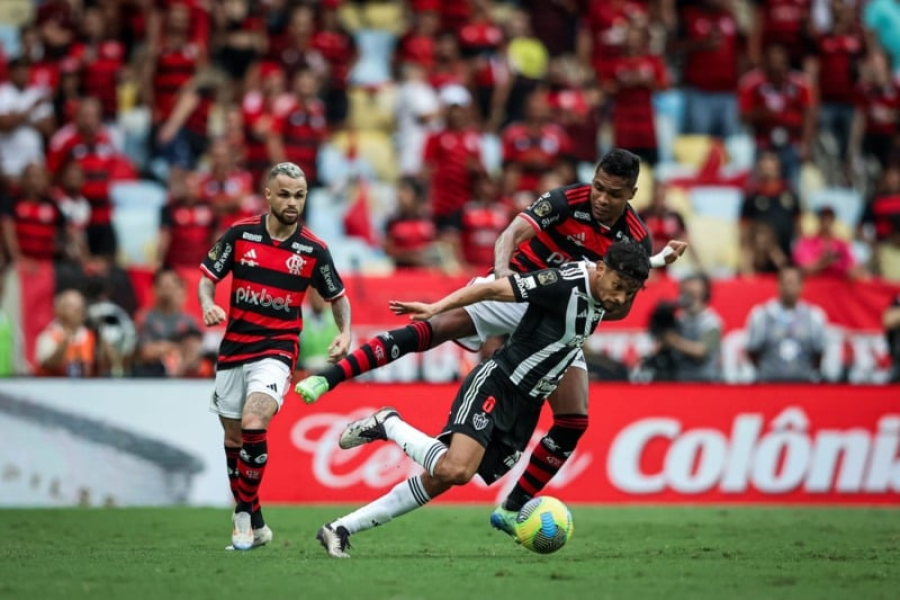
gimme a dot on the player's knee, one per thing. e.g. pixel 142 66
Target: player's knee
pixel 254 421
pixel 450 473
pixel 573 402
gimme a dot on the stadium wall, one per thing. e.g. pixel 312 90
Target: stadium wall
pixel 139 442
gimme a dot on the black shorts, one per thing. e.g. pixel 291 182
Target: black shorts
pixel 490 410
pixel 101 239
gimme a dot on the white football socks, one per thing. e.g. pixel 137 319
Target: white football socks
pixel 423 449
pixel 405 496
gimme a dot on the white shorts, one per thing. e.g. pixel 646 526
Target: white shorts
pixel 267 376
pixel 493 318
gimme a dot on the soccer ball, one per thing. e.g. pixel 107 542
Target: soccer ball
pixel 544 525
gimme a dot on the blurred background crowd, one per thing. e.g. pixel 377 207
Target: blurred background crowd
pixel 133 132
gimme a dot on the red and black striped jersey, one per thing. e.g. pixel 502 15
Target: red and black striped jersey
pixel 567 231
pixel 269 281
pixel 39 226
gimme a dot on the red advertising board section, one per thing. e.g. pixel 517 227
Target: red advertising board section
pixel 645 444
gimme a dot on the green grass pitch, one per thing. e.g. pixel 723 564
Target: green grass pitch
pixel 451 552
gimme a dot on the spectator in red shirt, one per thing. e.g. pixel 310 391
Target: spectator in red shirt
pixel 880 221
pixel 174 62
pixel 338 48
pixel 601 37
pixel 631 80
pixel 409 235
pixel 34 227
pixel 259 110
pixel 483 220
pixel 874 126
pixel 576 108
pixel 785 23
pixel 713 46
pixel 88 142
pixel 449 66
pixel 100 57
pixel 226 187
pixel 418 44
pixel 57 22
pixel 833 66
pixel 779 106
pixel 187 223
pixel 452 157
pixel 300 125
pixel 534 146
pixel 479 41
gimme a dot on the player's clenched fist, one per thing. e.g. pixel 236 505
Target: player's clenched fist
pixel 213 315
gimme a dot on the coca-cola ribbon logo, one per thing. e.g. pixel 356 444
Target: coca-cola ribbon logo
pixel 786 455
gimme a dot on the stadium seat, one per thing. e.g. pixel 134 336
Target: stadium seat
pixel 15 13
pixel 372 108
pixel 715 240
pixel 372 146
pixel 668 109
pixel 376 49
pixel 380 15
pixel 691 150
pixel 9 39
pixel 136 208
pixel 717 201
pixel 847 203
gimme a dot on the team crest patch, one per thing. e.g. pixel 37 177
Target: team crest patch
pixel 542 208
pixel 547 277
pixel 479 421
pixel 295 264
pixel 215 252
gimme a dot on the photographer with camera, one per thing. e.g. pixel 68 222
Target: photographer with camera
pixel 688 333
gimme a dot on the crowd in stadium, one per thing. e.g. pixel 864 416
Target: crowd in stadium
pixel 424 127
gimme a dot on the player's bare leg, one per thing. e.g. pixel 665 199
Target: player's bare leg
pixel 388 347
pixel 444 468
pixel 249 528
pixel 569 403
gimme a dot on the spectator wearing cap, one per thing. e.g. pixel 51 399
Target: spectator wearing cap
pixel 26 114
pixel 824 253
pixel 451 159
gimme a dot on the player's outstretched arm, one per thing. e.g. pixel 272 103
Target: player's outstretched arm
pixel 212 313
pixel 339 347
pixel 499 289
pixel 515 233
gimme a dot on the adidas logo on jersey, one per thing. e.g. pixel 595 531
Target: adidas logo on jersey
pixel 577 238
pixel 249 258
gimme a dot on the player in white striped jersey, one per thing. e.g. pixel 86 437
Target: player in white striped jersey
pixel 497 407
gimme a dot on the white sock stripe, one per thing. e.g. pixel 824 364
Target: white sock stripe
pixel 472 393
pixel 431 457
pixel 418 491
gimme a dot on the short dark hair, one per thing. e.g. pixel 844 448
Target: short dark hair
pixel 704 280
pixel 628 259
pixel 163 271
pixel 619 162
